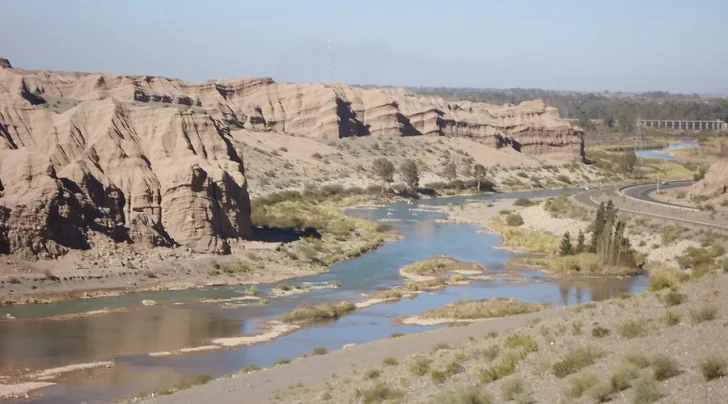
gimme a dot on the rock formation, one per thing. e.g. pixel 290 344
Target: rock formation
pixel 715 182
pixel 150 160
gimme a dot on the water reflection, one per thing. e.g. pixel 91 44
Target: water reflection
pixel 49 343
pixel 584 290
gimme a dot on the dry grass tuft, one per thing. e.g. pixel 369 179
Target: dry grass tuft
pixel 322 312
pixel 576 360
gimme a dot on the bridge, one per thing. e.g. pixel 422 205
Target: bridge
pixel 683 125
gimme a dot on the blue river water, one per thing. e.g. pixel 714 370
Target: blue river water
pixel 128 337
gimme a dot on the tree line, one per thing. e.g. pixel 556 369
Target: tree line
pixel 612 108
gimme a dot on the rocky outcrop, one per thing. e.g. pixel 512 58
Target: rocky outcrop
pixel 151 176
pixel 5 64
pixel 715 182
pixel 328 111
pixel 150 160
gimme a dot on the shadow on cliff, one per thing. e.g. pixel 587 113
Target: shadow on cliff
pixel 275 235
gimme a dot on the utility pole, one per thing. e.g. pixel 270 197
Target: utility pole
pixel 658 182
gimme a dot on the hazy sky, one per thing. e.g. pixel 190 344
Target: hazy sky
pixel 588 45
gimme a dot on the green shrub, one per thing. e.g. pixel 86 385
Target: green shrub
pixel 514 220
pixel 580 383
pixel 282 362
pixel 254 367
pixel 664 367
pixel 705 314
pixel 645 391
pixel 632 329
pixel 576 360
pixel 713 367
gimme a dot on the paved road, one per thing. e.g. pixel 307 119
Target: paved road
pixel 642 192
pixel 666 211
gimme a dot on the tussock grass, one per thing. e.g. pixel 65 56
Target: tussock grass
pixel 420 366
pixel 638 359
pixel 527 342
pixel 666 278
pixel 372 373
pixel 600 332
pixel 514 388
pixel 486 308
pixel 388 294
pixel 576 360
pixel 505 367
pixel 674 298
pixel 601 392
pixel 713 367
pixel 646 391
pixel 390 361
pixel 664 367
pixel 580 383
pixel 521 238
pixel 704 314
pixel 322 312
pixel 469 395
pixel 378 394
pixel 672 318
pixel 491 352
pixel 623 376
pixel 320 351
pixel 632 329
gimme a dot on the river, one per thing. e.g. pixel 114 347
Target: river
pixel 663 154
pixel 35 342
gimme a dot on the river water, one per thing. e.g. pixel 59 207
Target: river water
pixel 181 321
pixel 663 155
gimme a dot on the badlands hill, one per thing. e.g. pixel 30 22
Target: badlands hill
pixel 155 161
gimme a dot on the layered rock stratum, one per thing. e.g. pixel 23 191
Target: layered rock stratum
pixel 150 160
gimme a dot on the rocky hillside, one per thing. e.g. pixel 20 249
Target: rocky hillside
pixel 715 182
pixel 151 160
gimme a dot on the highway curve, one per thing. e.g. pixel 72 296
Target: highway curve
pixel 666 211
pixel 642 192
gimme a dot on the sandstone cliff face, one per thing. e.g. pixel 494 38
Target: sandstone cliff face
pixel 150 160
pixel 142 174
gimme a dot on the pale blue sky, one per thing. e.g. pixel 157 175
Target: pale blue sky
pixel 629 45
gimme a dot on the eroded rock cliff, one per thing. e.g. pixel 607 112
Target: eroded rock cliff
pixel 150 160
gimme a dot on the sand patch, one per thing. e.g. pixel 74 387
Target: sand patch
pixel 416 320
pixel 84 314
pixel 274 330
pixel 373 302
pixel 55 372
pixel 277 292
pixel 186 350
pixel 21 389
pixel 230 299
